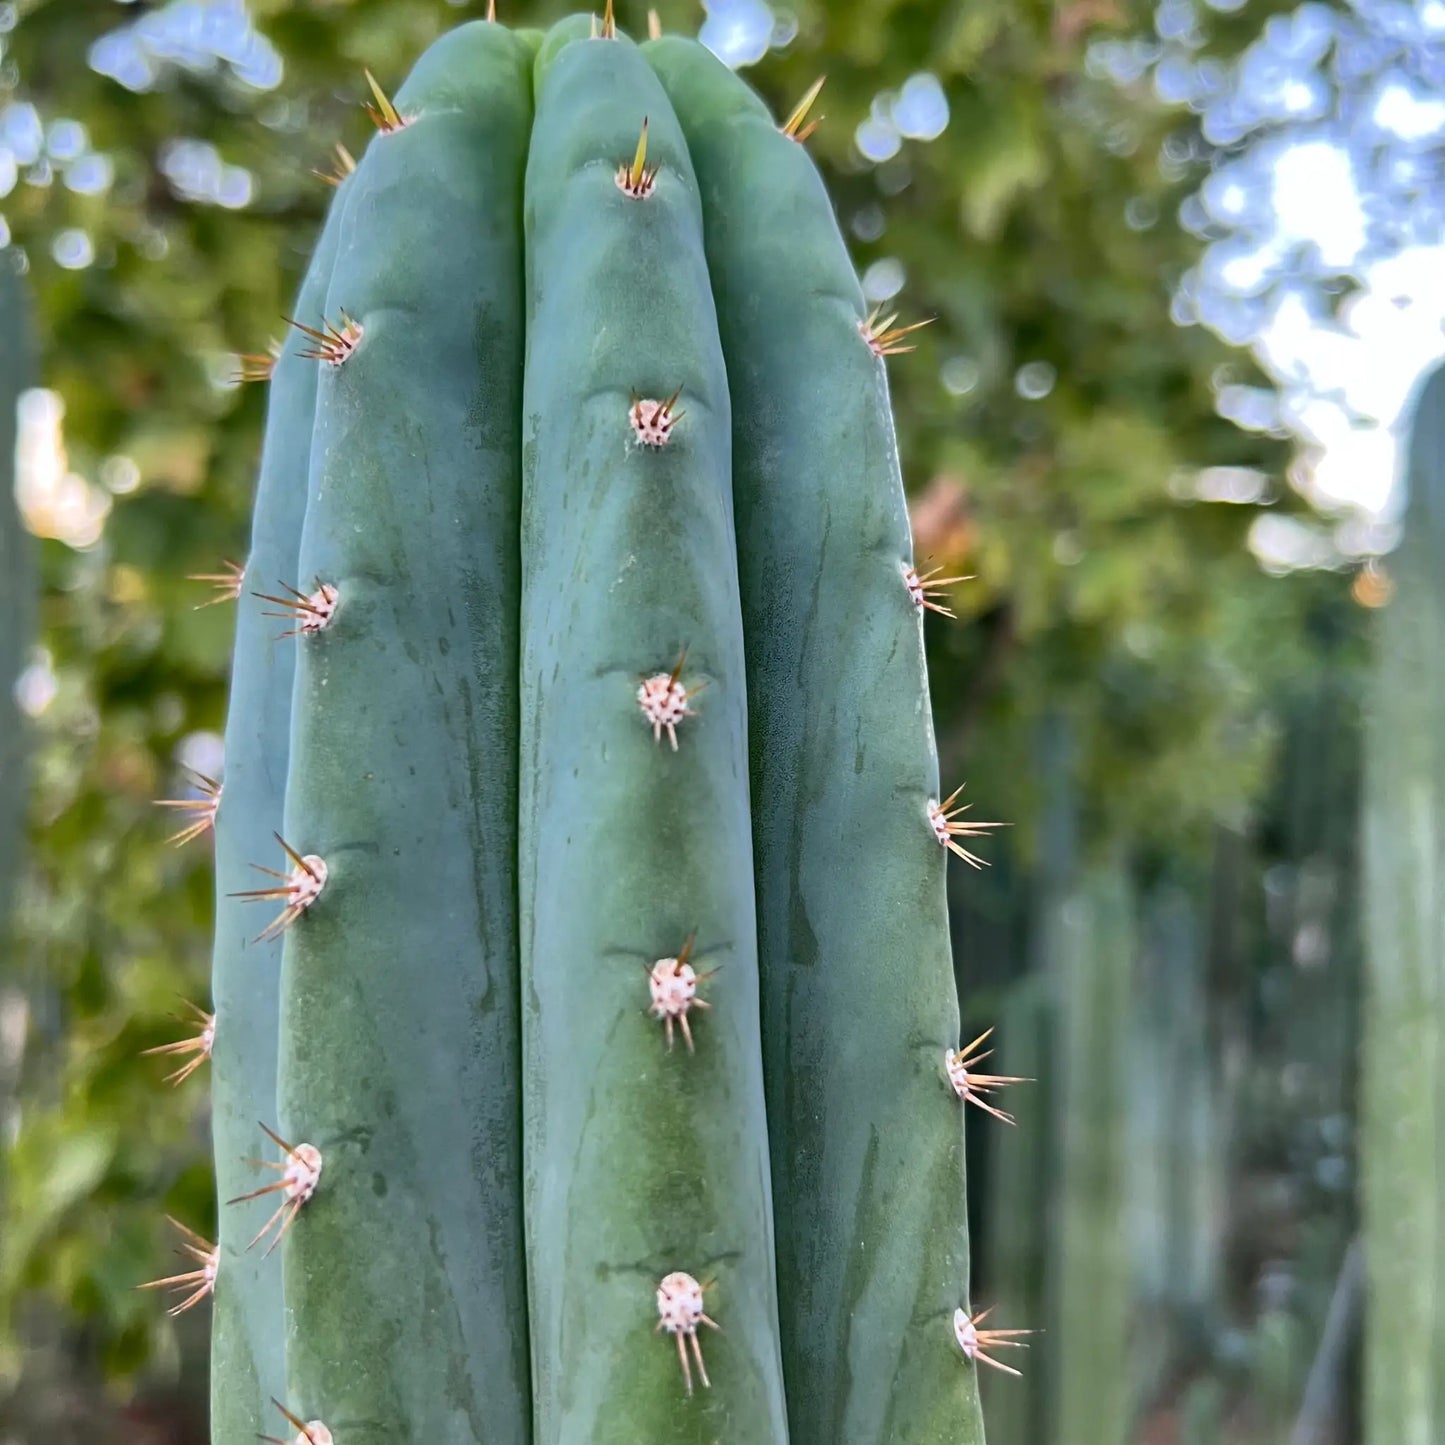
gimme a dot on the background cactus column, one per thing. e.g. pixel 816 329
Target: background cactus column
pixel 1403 1137
pixel 641 1160
pixel 17 622
pixel 859 1001
pixel 17 578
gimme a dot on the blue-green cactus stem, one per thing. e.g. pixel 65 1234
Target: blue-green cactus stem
pixel 859 1001
pixel 642 1160
pixel 405 1299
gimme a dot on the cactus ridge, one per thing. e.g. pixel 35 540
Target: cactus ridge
pixel 628 574
pixel 248 1361
pixel 610 993
pixel 859 1001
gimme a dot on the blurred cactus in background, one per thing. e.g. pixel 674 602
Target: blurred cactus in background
pixel 1403 1057
pixel 17 588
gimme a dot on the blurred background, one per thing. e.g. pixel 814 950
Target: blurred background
pixel 1187 262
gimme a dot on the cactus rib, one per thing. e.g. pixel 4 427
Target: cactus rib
pixel 642 1164
pixel 404 1280
pixel 859 1003
pixel 247 1347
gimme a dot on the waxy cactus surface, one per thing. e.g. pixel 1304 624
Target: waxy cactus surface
pixel 584 1052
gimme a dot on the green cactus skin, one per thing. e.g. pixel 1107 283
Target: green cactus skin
pixel 248 1361
pixel 1403 1131
pixel 859 1001
pixel 639 1161
pixel 1091 943
pixel 404 1279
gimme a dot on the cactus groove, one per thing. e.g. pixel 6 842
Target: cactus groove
pixel 583 1047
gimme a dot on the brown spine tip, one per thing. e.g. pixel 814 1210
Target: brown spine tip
pixel 202 809
pixel 680 1311
pixel 384 115
pixel 972 1087
pixel 300 1172
pixel 492 11
pixel 344 166
pixel 665 701
pixel 194 1284
pixel 975 1343
pixel 199 1045
pixel 299 889
pixel 609 24
pixel 654 25
pixel 227 584
pixel 926 589
pixel 884 338
pixel 672 984
pixel 308 1432
pixel 948 826
pixel 256 366
pixel 794 127
pixel 638 179
pixel 331 344
pixel 653 421
pixel 310 612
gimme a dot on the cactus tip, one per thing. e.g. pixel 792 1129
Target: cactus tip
pixel 492 11
pixel 193 1284
pixel 333 344
pixel 300 888
pixel 198 1044
pixel 975 1343
pixel 300 1173
pixel 638 179
pixel 609 24
pixel 385 116
pixel 884 338
pixel 948 827
pixel 672 984
pixel 654 25
pixel 925 590
pixel 680 1311
pixel 971 1087
pixel 794 127
pixel 311 612
pixel 652 421
pixel 664 701
pixel 311 1432
pixel 202 809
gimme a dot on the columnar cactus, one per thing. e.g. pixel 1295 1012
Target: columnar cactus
pixel 1403 1096
pixel 17 578
pixel 600 1047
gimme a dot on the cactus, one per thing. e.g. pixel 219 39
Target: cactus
pixel 1093 959
pixel 599 1053
pixel 17 620
pixel 1403 1069
pixel 17 578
